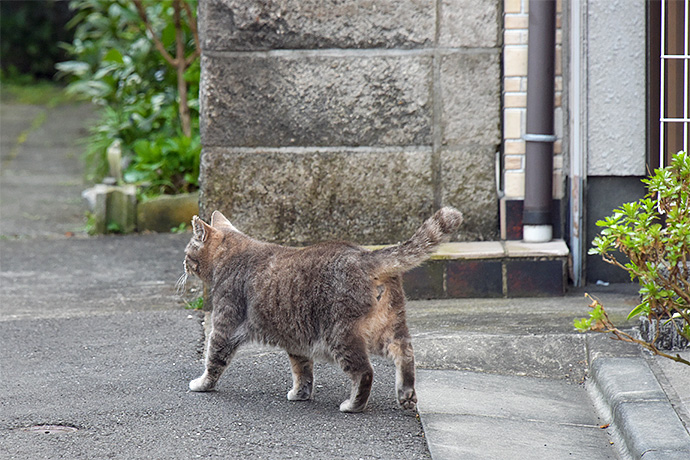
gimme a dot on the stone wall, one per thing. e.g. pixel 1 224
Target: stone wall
pixel 350 119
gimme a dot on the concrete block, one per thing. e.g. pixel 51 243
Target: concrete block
pixel 471 95
pixel 162 213
pixel 468 180
pixel 469 250
pixel 535 278
pixel 553 248
pixel 667 454
pixel 625 379
pixel 651 426
pixel 425 281
pixel 122 208
pixel 470 23
pixel 310 24
pixel 113 207
pixel 316 100
pixel 503 396
pixel 553 356
pixel 300 195
pixel 474 278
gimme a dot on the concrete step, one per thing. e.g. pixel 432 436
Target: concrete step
pixel 491 269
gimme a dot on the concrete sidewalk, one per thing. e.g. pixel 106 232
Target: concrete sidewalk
pixel 97 351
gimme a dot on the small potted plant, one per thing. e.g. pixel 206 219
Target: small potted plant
pixel 654 234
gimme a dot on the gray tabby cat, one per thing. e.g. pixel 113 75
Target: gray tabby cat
pixel 332 301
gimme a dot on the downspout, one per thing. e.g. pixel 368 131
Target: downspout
pixel 539 136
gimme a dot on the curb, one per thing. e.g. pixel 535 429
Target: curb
pixel 638 409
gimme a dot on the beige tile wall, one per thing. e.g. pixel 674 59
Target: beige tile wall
pixel 515 35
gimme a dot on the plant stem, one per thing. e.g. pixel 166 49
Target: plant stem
pixel 181 67
pixel 179 62
pixel 608 327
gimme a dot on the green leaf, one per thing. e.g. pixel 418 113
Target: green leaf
pixel 641 308
pixel 582 324
pixel 113 55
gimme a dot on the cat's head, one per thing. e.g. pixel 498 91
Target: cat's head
pixel 203 245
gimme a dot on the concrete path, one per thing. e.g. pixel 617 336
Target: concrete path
pixel 97 351
pixel 40 173
pixel 485 416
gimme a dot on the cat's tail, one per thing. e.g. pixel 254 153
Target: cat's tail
pixel 405 256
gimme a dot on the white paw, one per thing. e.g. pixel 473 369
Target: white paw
pixel 199 384
pixel 297 395
pixel 347 406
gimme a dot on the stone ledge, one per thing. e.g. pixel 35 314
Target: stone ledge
pixel 496 249
pixel 490 269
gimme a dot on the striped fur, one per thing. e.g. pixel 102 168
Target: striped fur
pixel 332 301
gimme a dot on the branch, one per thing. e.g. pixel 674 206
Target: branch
pixel 156 41
pixel 195 33
pixel 608 327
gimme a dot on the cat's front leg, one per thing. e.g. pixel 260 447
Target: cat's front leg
pixel 219 353
pixel 302 378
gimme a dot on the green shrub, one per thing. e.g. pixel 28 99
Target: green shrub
pixel 654 234
pixel 29 36
pixel 118 66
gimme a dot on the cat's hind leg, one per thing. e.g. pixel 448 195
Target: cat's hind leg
pixel 219 352
pixel 302 378
pixel 400 350
pixel 354 360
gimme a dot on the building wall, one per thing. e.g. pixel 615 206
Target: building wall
pixel 616 87
pixel 331 119
pixel 515 36
pixel 614 95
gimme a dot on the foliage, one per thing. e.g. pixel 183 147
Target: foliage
pixel 24 89
pixel 182 228
pixel 654 234
pixel 196 304
pixel 118 67
pixel 29 36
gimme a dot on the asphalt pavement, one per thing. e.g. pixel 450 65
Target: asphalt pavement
pixel 97 349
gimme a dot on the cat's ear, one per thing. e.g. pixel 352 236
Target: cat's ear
pixel 200 228
pixel 218 220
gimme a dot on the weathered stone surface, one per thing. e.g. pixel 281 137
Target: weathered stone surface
pixel 322 120
pixel 471 98
pixel 470 23
pixel 300 196
pixel 316 100
pixel 301 24
pixel 469 183
pixel 162 213
pixel 113 207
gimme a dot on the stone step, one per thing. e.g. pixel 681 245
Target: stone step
pixel 490 269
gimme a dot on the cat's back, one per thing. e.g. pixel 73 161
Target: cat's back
pixel 329 258
pixel 314 274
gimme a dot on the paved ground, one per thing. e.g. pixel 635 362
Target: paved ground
pixel 40 180
pixel 93 337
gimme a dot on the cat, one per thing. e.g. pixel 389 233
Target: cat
pixel 332 301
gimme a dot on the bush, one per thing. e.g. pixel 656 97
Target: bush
pixel 29 36
pixel 654 234
pixel 119 65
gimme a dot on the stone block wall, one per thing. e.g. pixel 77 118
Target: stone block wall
pixel 353 120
